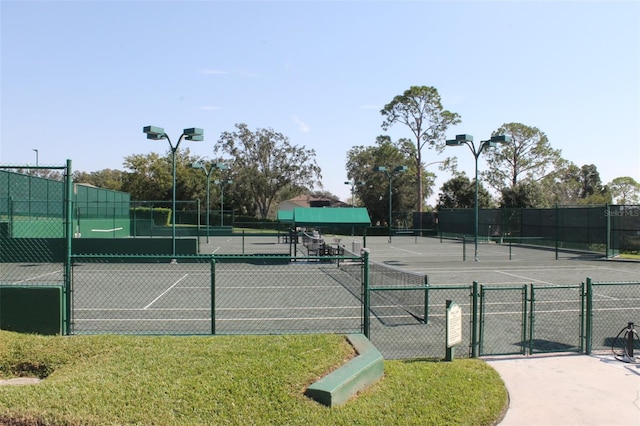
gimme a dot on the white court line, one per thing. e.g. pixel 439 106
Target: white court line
pixel 524 278
pixel 606 297
pixel 408 251
pixel 166 291
pixel 107 230
pixel 234 309
pixel 618 270
pixel 222 319
pixel 37 276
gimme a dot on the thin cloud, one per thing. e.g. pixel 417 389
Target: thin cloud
pixel 248 73
pixel 304 127
pixel 214 72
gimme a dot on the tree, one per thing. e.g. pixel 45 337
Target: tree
pixel 106 178
pixel 150 177
pixel 524 195
pixel 528 157
pixel 625 190
pixel 266 163
pixel 562 186
pixel 459 192
pixel 591 182
pixel 421 110
pixel 374 194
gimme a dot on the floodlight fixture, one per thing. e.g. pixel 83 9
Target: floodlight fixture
pixel 476 151
pixel 158 133
pixel 194 131
pixel 154 133
pixel 501 139
pixel 379 169
pixel 401 169
pixel 220 166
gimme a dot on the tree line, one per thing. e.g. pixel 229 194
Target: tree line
pixel 265 167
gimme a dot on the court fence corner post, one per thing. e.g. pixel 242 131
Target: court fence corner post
pixel 213 295
pixel 366 320
pixel 68 249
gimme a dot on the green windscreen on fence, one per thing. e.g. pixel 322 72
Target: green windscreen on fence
pixel 35 309
pixel 101 213
pixel 601 228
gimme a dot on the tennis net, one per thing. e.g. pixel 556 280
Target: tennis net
pixel 396 295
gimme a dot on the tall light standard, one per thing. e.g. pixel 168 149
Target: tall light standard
pixel 157 133
pixel 390 175
pixel 36 151
pixel 476 151
pixel 353 190
pixel 222 183
pixel 207 172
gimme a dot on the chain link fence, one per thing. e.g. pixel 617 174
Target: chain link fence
pixel 610 307
pixel 35 235
pixel 261 284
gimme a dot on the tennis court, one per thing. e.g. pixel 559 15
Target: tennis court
pixel 505 323
pixel 255 295
pixel 300 297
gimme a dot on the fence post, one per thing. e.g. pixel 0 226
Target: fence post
pixel 588 316
pixel 531 319
pixel 556 229
pixel 464 248
pixel 607 213
pixel 213 295
pixel 525 295
pixel 474 320
pixel 365 298
pixel 68 229
pixel 426 299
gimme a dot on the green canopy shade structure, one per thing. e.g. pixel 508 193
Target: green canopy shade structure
pixel 285 216
pixel 326 216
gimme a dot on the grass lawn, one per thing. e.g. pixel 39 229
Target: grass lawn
pixel 630 256
pixel 229 380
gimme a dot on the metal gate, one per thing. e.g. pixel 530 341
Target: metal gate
pixel 531 319
pixel 503 320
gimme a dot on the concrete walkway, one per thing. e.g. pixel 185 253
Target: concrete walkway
pixel 563 390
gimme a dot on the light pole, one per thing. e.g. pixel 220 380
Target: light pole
pixel 353 189
pixel 207 172
pixel 468 140
pixel 36 151
pixel 390 174
pixel 222 183
pixel 157 133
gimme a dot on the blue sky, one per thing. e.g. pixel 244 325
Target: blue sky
pixel 79 79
